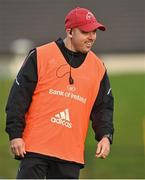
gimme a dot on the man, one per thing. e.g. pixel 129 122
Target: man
pixel 60 86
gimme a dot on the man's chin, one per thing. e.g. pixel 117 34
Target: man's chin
pixel 86 50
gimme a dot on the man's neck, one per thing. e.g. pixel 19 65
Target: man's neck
pixel 68 44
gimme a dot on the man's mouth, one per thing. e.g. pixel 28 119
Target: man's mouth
pixel 89 44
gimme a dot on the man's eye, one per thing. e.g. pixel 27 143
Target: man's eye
pixel 83 32
pixel 95 31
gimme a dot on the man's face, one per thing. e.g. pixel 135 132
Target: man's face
pixel 82 41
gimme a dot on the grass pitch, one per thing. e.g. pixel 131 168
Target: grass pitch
pixel 126 160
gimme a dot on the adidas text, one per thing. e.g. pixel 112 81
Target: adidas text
pixel 62 118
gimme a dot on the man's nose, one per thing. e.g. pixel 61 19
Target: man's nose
pixel 91 35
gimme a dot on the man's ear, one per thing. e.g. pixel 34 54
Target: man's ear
pixel 69 32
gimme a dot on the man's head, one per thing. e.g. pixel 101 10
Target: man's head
pixel 82 19
pixel 81 26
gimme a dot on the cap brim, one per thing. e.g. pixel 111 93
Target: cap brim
pixel 92 27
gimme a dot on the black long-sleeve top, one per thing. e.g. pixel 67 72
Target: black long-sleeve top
pixel 24 85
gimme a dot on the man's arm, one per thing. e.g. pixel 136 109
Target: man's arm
pixel 19 101
pixel 102 118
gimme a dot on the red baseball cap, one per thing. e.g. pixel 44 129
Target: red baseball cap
pixel 83 19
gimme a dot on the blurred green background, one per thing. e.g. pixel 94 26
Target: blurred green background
pixel 126 159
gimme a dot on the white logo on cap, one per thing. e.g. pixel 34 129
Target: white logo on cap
pixel 89 16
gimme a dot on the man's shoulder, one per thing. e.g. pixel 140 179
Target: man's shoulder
pixel 95 57
pixel 46 45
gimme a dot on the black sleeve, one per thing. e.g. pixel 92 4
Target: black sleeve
pixel 102 111
pixel 20 96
